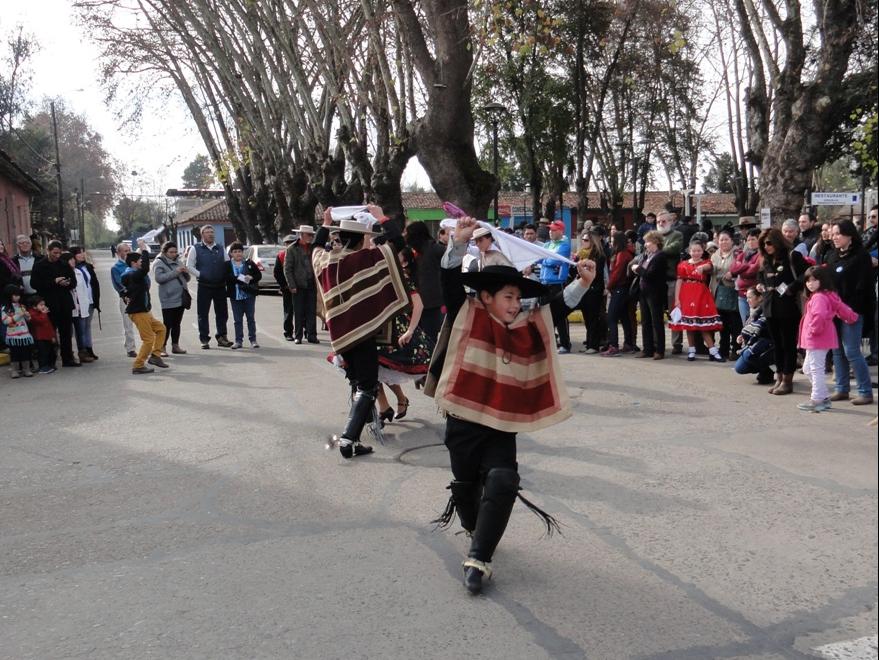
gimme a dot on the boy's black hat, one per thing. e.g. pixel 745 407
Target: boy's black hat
pixel 503 275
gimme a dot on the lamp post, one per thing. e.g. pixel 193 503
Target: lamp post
pixel 494 109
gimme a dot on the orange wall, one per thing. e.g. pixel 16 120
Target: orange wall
pixel 15 214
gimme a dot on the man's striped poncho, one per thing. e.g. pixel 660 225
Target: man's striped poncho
pixel 360 292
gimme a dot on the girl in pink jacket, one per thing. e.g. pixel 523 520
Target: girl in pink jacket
pixel 818 332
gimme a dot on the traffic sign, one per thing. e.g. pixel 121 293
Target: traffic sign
pixel 836 198
pixel 765 218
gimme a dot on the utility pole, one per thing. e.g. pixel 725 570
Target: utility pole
pixel 81 206
pixel 61 229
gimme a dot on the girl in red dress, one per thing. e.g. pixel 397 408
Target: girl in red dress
pixel 695 304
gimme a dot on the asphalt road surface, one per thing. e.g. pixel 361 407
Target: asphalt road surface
pixel 194 513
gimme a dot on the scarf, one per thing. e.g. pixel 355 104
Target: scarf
pixel 360 291
pixel 7 261
pixel 503 377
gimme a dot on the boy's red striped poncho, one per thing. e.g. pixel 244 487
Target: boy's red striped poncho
pixel 359 291
pixel 504 377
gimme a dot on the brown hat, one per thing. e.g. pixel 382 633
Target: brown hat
pixel 747 221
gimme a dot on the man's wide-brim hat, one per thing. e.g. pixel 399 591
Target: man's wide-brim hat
pixel 305 229
pixel 747 221
pixel 355 227
pixel 503 275
pixel 482 231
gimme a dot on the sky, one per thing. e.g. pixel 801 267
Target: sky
pixel 66 66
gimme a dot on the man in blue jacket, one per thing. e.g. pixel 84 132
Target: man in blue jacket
pixel 206 262
pixel 554 274
pixel 116 272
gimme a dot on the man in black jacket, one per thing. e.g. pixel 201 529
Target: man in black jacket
pixel 136 284
pixel 54 279
pixel 286 295
pixel 299 274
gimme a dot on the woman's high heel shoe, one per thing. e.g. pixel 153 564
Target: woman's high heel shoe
pixel 386 415
pixel 402 408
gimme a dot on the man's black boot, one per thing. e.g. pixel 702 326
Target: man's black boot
pixel 361 412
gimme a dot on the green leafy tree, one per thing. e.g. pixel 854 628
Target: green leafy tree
pixel 199 174
pixel 137 216
pixel 721 176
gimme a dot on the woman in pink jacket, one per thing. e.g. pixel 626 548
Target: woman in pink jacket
pixel 818 334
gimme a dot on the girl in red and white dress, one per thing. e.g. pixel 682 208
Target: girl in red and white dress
pixel 695 304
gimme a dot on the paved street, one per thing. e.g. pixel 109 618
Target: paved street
pixel 194 513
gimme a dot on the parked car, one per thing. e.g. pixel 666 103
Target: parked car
pixel 264 256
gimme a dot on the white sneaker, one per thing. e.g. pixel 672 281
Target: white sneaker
pixel 253 344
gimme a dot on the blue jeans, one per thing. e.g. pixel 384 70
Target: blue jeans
pixel 83 328
pixel 744 309
pixel 848 354
pixel 240 309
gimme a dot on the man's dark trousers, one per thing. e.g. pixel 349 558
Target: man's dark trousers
pixel 206 295
pixel 305 309
pixel 287 299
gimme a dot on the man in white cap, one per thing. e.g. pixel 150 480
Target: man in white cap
pixel 286 294
pixel 300 283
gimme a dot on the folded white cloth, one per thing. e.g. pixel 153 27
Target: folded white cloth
pixel 345 212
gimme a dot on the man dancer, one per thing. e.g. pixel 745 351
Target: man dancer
pixel 554 275
pixel 286 292
pixel 116 272
pixel 54 279
pixel 361 288
pixel 207 263
pixel 299 274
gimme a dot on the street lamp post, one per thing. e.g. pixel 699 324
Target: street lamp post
pixel 494 109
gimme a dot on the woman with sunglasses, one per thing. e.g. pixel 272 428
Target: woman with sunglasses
pixel 592 303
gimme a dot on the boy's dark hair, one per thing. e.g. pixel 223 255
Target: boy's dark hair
pixel 530 225
pixel 492 288
pixel 132 258
pixel 33 301
pixel 236 246
pixel 650 215
pixel 753 232
pixel 351 239
pixel 55 244
pixel 824 277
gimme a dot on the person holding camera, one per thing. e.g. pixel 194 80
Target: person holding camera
pixel 54 279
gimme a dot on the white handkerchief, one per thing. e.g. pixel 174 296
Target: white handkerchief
pixel 675 315
pixel 345 212
pixel 365 218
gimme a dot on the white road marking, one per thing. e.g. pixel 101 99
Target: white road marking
pixel 864 648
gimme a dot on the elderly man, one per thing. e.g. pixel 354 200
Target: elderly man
pixel 25 259
pixel 286 295
pixel 672 245
pixel 206 262
pixel 791 230
pixel 116 271
pixel 554 275
pixel 54 279
pixel 299 274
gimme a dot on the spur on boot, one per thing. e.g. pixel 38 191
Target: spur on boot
pixel 350 449
pixel 474 571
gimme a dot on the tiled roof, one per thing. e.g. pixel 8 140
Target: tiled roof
pixel 215 210
pixel 711 203
pixel 717 203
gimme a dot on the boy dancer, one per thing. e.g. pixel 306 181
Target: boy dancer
pixel 136 285
pixel 498 375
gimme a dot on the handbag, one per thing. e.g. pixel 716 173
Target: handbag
pixel 726 298
pixel 185 297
